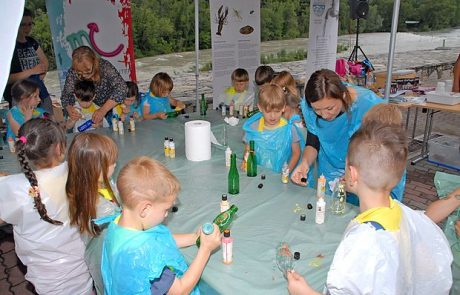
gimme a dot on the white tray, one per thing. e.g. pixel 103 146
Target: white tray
pixel 449 98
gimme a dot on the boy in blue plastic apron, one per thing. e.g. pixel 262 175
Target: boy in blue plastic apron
pixel 140 255
pixel 158 101
pixel 333 112
pixel 276 139
pixel 388 248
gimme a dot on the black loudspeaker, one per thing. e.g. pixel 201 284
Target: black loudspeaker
pixel 358 8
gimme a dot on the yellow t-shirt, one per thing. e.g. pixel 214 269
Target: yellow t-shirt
pixel 388 217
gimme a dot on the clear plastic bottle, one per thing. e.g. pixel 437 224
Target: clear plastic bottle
pixel 227 247
pixel 284 258
pixel 285 173
pixel 166 147
pixel 321 187
pixel 339 197
pixel 228 155
pixel 172 149
pixel 114 123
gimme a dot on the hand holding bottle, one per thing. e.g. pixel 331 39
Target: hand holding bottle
pixel 211 241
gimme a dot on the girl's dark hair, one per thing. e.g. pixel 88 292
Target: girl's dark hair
pixel 37 143
pixel 23 89
pixel 27 12
pixel 133 90
pixel 326 83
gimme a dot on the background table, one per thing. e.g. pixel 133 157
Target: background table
pixel 265 217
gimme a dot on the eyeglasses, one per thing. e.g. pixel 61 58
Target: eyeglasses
pixel 27 24
pixel 83 75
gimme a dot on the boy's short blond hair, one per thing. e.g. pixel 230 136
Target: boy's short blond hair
pixel 240 75
pixel 144 178
pixel 384 113
pixel 271 97
pixel 160 83
pixel 379 153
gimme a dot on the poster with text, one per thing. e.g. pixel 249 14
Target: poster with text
pixel 322 41
pixel 235 31
pixel 104 25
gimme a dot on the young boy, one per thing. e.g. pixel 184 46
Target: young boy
pixel 157 101
pixel 238 94
pixel 276 139
pixel 140 255
pixel 263 76
pixel 84 92
pixel 388 248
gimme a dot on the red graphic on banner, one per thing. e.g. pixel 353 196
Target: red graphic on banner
pixel 126 20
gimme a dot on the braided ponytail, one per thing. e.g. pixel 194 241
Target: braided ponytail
pixel 37 139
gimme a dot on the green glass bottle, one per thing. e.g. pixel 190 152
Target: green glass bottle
pixel 252 113
pixel 173 114
pixel 203 105
pixel 251 164
pixel 223 220
pixel 233 177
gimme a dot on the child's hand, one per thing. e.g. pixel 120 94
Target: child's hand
pixel 122 117
pixel 162 115
pixel 297 284
pixel 211 241
pixel 300 172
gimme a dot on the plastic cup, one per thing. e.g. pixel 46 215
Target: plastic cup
pixel 441 87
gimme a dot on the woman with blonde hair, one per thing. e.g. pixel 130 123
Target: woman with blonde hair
pixel 110 86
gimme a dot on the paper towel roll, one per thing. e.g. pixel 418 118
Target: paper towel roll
pixel 198 140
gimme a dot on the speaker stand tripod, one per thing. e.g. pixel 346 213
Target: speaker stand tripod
pixel 357 48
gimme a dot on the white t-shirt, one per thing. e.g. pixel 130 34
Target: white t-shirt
pixel 53 254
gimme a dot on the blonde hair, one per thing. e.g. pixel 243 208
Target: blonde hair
pixel 160 83
pixel 144 178
pixel 90 156
pixel 86 53
pixel 271 97
pixel 285 80
pixel 379 153
pixel 384 113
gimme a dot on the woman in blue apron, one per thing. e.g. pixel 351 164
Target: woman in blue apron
pixel 333 112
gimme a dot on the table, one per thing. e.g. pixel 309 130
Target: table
pixel 432 108
pixel 265 216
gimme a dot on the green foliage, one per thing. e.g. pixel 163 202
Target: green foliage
pixel 165 26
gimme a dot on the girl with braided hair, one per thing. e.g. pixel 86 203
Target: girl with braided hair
pixel 35 203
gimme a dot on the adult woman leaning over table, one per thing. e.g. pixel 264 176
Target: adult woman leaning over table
pixel 333 112
pixel 110 86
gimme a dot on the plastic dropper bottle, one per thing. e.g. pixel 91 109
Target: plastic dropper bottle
pixel 227 247
pixel 224 204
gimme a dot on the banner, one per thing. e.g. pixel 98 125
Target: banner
pixel 235 35
pixel 104 25
pixel 322 41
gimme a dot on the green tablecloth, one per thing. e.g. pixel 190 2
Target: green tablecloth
pixel 266 216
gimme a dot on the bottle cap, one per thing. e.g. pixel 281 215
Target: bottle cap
pixel 174 209
pixel 262 176
pixel 303 217
pixel 261 185
pixel 226 233
pixel 296 255
pixel 224 197
pixel 207 228
pixel 303 179
pixel 309 206
pixel 166 138
pixel 171 139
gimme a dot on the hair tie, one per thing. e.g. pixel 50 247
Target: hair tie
pixel 23 139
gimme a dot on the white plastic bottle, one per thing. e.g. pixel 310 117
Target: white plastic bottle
pixel 172 148
pixel 224 204
pixel 132 124
pixel 121 129
pixel 320 211
pixel 321 187
pixel 285 173
pixel 114 124
pixel 231 109
pixel 166 147
pixel 228 154
pixel 224 110
pixel 11 145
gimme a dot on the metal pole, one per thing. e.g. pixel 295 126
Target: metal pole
pixel 197 53
pixel 394 30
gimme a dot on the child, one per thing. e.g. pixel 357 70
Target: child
pixel 388 248
pixel 276 139
pixel 84 92
pixel 90 193
pixel 388 114
pixel 130 105
pixel 285 80
pixel 238 95
pixel 263 76
pixel 26 96
pixel 52 250
pixel 158 101
pixel 140 255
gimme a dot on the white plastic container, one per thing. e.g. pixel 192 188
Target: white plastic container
pixel 449 98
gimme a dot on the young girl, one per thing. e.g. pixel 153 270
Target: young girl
pixel 90 192
pixel 26 95
pixel 158 101
pixel 52 250
pixel 130 105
